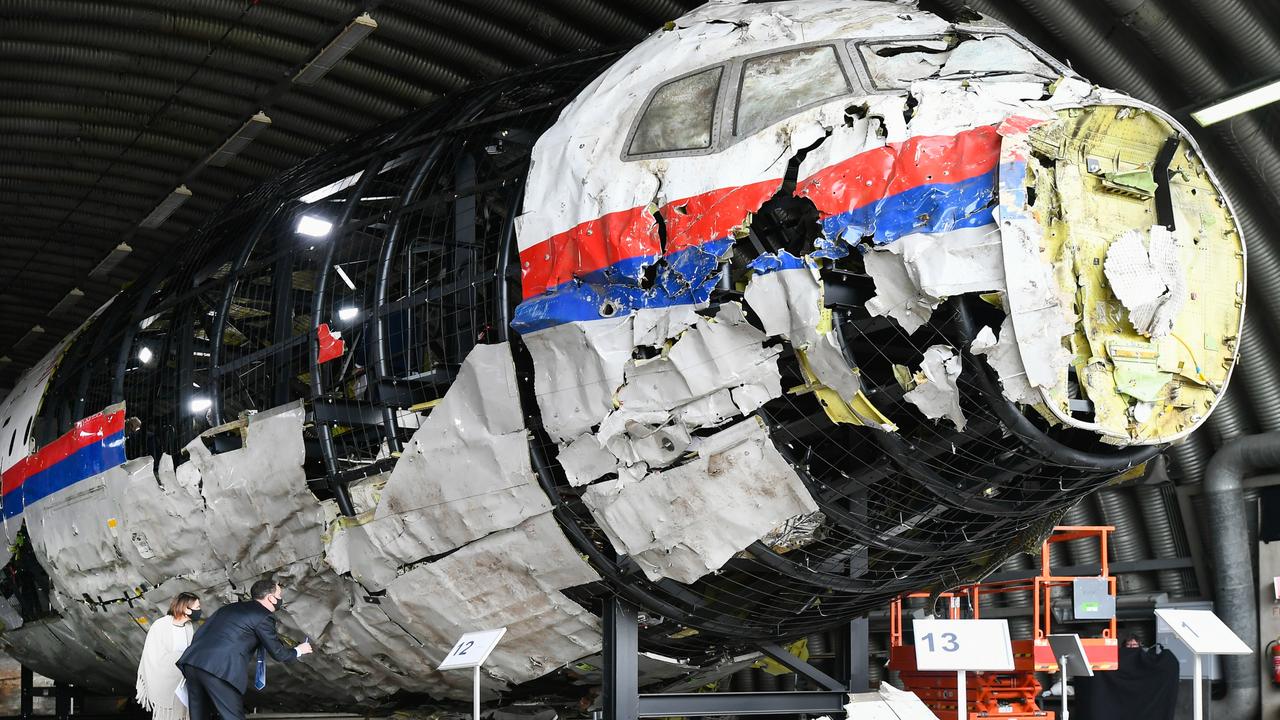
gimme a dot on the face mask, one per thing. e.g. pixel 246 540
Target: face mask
pixel 279 603
pixel 195 615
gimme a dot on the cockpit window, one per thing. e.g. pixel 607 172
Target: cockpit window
pixel 680 115
pixel 776 86
pixel 894 65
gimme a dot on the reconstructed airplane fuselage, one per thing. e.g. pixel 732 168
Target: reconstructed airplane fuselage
pixel 815 303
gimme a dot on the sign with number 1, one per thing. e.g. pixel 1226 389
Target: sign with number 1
pixel 962 644
pixel 472 649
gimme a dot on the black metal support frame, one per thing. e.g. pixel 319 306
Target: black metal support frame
pixel 62 694
pixel 622 699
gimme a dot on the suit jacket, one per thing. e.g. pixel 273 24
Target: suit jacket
pixel 227 642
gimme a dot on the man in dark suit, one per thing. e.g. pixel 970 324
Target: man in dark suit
pixel 216 664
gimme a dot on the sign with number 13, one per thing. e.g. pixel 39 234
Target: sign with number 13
pixel 962 644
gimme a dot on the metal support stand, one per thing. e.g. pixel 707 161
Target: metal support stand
pixel 1199 689
pixel 621 686
pixel 27 701
pixel 61 701
pixel 621 672
pixel 853 655
pixel 1062 663
pixel 475 695
pixel 63 695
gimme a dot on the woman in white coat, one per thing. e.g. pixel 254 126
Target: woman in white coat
pixel 158 676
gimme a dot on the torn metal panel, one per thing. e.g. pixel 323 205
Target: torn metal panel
pixel 256 497
pixel 936 393
pixel 715 354
pixel 685 522
pixel 584 460
pixel 466 472
pixel 1147 277
pixel 1003 357
pixel 509 579
pixel 1032 296
pixel 578 366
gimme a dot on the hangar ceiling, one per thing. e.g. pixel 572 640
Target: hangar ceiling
pixel 106 108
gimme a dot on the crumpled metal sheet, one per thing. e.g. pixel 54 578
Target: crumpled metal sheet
pixel 713 355
pixel 577 367
pixel 466 472
pixel 962 261
pixel 789 304
pixel 1148 279
pixel 684 522
pixel 257 504
pixel 1004 358
pixel 511 579
pixel 936 393
pixel 1040 322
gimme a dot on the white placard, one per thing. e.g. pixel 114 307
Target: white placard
pixel 1203 632
pixel 472 649
pixel 962 644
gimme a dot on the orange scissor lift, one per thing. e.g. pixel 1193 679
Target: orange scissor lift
pixel 1010 695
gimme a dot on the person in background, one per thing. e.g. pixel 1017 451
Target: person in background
pixel 158 675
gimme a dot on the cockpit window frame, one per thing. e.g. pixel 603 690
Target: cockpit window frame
pixel 717 114
pixel 852 82
pixel 853 46
pixel 723 135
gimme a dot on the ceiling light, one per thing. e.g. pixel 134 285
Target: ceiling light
pixel 35 332
pixel 166 208
pixel 345 277
pixel 252 128
pixel 67 303
pixel 313 226
pixel 348 313
pixel 331 188
pixel 109 263
pixel 1237 104
pixel 333 53
pixel 145 355
pixel 200 404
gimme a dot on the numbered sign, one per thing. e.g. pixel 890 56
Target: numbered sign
pixel 472 649
pixel 962 645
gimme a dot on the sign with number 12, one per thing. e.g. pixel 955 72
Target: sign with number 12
pixel 962 644
pixel 472 649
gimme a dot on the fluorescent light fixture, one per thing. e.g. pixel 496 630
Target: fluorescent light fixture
pixel 145 355
pixel 331 189
pixel 109 263
pixel 166 208
pixel 1237 104
pixel 65 304
pixel 240 140
pixel 312 226
pixel 348 313
pixel 200 404
pixel 333 53
pixel 345 277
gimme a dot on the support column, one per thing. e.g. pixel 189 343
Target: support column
pixel 27 698
pixel 853 656
pixel 621 673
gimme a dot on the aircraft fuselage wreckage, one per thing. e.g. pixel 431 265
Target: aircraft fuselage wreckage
pixel 791 308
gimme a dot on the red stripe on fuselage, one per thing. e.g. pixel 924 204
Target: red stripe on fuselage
pixel 862 179
pixel 86 432
pixel 886 171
